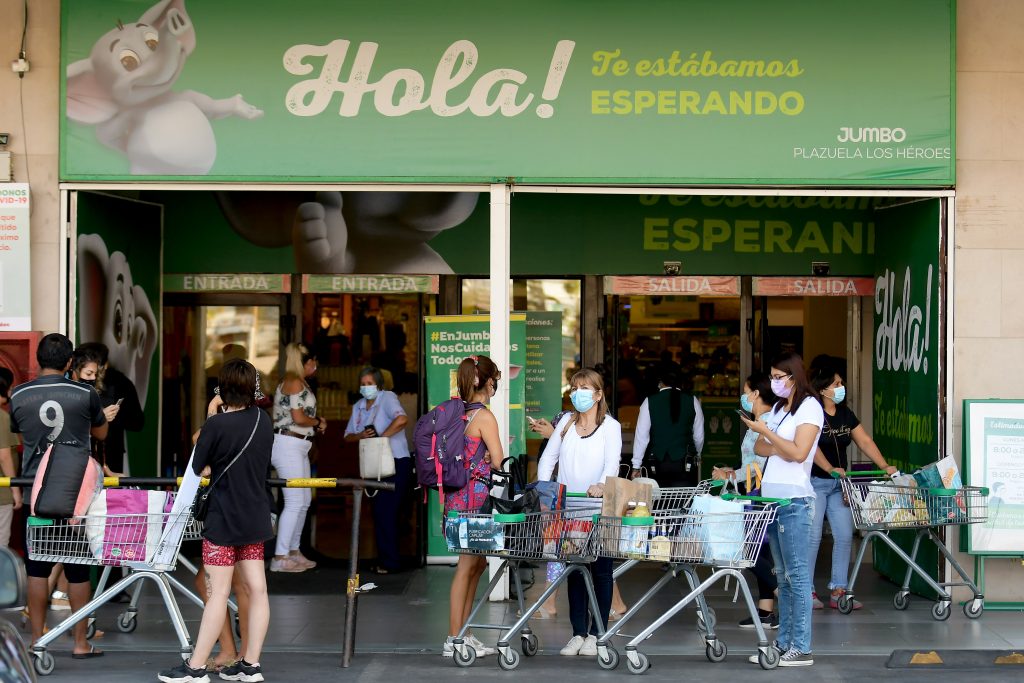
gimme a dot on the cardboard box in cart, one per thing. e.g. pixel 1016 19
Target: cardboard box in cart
pixel 944 474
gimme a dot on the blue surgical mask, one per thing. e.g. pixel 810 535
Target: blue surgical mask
pixel 369 391
pixel 582 399
pixel 746 403
pixel 839 394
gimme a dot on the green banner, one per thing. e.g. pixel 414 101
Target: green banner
pixel 118 304
pixel 227 282
pixel 673 91
pixel 907 375
pixel 450 339
pixel 543 366
pixel 625 235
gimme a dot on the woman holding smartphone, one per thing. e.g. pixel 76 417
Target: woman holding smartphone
pixel 789 440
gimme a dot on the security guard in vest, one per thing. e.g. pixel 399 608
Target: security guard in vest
pixel 669 435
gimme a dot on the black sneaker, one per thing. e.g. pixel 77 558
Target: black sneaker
pixel 242 671
pixel 768 621
pixel 184 674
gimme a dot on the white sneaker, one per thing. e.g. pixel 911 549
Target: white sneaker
pixel 589 648
pixel 796 658
pixel 755 658
pixel 481 649
pixel 448 650
pixel 573 647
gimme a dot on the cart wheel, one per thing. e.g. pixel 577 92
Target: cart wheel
pixel 768 659
pixel 641 665
pixel 90 629
pixel 43 663
pixel 716 651
pixel 974 608
pixel 530 645
pixel 127 623
pixel 465 655
pixel 941 611
pixel 238 626
pixel 607 657
pixel 901 600
pixel 509 660
pixel 845 604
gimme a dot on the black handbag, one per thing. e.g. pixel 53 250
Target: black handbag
pixel 516 497
pixel 201 505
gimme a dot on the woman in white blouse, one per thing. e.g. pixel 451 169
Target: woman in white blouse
pixel 586 445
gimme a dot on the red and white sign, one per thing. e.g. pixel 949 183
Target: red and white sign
pixel 813 286
pixel 682 285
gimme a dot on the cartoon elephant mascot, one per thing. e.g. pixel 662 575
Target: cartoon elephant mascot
pixel 124 89
pixel 116 312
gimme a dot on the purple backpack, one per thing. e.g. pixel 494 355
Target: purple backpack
pixel 439 440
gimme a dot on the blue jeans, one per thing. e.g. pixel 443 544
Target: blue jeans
pixel 582 621
pixel 788 538
pixel 830 503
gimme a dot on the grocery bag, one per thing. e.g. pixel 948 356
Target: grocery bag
pixel 125 525
pixel 719 525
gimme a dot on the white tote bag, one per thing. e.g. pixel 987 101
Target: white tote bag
pixel 375 458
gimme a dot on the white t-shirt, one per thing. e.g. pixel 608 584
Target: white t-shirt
pixel 784 479
pixel 582 461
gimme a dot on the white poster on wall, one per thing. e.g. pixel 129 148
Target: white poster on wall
pixel 15 259
pixel 994 455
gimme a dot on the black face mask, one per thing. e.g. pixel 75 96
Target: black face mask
pixel 495 386
pixel 90 382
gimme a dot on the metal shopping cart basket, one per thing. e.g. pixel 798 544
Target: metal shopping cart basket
pixel 727 542
pixel 556 536
pixel 879 507
pixel 147 544
pixel 127 621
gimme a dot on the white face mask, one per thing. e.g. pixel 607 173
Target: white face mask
pixel 369 391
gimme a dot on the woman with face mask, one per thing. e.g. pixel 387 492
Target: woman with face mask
pixel 840 429
pixel 758 400
pixel 789 440
pixel 295 426
pixel 379 414
pixel 586 445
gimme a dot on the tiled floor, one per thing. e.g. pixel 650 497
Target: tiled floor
pixel 409 614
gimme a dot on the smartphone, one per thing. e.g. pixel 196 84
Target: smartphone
pixel 744 414
pixel 119 401
pixel 531 420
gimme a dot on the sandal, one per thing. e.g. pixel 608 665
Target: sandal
pixel 614 615
pixel 91 654
pixel 543 613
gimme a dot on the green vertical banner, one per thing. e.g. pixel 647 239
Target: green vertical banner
pixel 118 303
pixel 543 366
pixel 450 339
pixel 906 372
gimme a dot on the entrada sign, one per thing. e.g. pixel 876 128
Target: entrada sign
pixel 370 284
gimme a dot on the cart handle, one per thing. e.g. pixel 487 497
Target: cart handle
pixel 570 494
pixel 781 502
pixel 860 473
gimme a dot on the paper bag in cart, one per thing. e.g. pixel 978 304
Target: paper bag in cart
pixel 618 494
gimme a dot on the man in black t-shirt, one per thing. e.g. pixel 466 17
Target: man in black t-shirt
pixel 54 410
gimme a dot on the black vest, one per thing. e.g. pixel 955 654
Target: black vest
pixel 671 440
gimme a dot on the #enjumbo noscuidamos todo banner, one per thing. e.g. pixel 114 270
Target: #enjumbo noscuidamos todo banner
pixel 745 92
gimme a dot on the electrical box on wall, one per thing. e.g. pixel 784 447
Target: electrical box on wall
pixel 6 172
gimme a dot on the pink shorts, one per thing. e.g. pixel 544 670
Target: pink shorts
pixel 229 555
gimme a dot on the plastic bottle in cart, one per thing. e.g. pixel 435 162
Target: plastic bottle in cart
pixel 637 530
pixel 626 532
pixel 660 545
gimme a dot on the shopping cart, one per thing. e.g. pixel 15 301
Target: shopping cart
pixel 127 621
pixel 557 536
pixel 147 544
pixel 881 506
pixel 728 542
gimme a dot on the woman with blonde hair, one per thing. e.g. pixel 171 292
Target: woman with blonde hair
pixel 586 445
pixel 295 425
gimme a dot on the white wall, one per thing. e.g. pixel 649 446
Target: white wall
pixel 988 275
pixel 34 144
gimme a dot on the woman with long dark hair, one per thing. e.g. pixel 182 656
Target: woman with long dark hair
pixel 789 440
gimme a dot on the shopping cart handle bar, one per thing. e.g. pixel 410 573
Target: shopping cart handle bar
pixel 781 502
pixel 860 473
pixel 577 495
